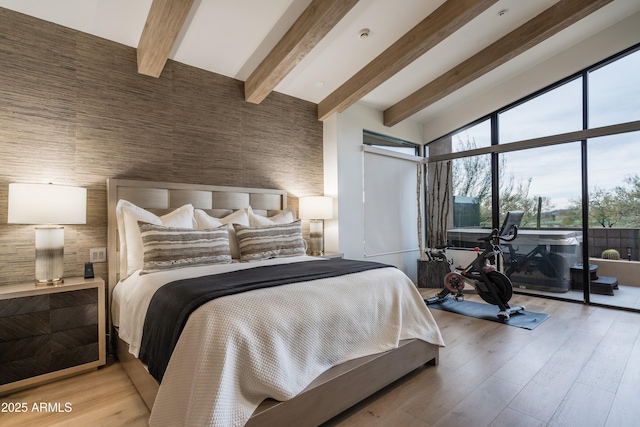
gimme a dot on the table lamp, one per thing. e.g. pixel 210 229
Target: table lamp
pixel 316 209
pixel 48 206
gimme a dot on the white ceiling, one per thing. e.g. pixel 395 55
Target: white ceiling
pixel 231 37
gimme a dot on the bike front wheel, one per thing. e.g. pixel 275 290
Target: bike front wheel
pixel 502 286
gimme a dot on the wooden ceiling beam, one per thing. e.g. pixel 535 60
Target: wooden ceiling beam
pixel 164 22
pixel 444 21
pixel 314 23
pixel 548 23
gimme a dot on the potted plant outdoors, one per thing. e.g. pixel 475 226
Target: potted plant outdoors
pixel 431 271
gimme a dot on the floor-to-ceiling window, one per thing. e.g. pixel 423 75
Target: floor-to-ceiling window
pixel 553 112
pixel 614 218
pixel 568 157
pixel 543 182
pixel 614 91
pixel 613 98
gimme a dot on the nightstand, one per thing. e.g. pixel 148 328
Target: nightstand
pixel 50 332
pixel 331 255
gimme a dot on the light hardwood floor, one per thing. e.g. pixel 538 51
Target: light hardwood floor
pixel 579 368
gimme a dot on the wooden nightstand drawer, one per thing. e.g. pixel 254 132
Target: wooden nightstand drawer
pixel 13 306
pixel 23 369
pixel 75 356
pixel 24 325
pixel 73 317
pixel 13 350
pixel 50 332
pixel 70 339
pixel 74 298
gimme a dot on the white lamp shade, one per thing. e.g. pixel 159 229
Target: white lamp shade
pixel 316 207
pixel 47 204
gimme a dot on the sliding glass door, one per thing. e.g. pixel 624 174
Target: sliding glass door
pixel 549 244
pixel 614 219
pixel 569 157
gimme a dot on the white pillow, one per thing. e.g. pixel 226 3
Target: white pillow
pixel 128 215
pixel 205 222
pixel 285 216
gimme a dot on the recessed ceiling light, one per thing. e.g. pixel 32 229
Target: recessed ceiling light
pixel 319 83
pixel 503 12
pixel 364 33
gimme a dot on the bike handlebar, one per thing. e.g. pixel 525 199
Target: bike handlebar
pixel 494 234
pixel 513 236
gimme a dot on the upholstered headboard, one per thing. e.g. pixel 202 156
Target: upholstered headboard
pixel 162 197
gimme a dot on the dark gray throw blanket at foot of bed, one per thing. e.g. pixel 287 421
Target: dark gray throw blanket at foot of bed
pixel 172 304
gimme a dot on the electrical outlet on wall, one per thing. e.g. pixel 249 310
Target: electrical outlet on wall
pixel 98 255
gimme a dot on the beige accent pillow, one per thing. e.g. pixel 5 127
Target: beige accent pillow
pixel 270 241
pixel 168 248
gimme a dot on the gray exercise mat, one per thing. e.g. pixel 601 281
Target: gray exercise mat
pixel 524 319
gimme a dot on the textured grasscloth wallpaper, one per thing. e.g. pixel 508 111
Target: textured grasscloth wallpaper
pixel 74 111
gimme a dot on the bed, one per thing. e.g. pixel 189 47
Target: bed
pixel 302 375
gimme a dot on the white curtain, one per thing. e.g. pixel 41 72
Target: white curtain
pixel 390 203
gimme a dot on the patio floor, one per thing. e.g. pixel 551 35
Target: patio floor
pixel 625 296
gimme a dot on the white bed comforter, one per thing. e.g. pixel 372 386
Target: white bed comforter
pixel 238 350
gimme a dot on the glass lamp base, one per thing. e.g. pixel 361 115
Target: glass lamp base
pixel 49 255
pixel 316 241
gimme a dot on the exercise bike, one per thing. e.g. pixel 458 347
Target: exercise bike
pixel 491 285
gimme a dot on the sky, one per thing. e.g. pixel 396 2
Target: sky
pixel 614 97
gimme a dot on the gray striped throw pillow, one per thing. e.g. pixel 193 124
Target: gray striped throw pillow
pixel 166 248
pixel 270 241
